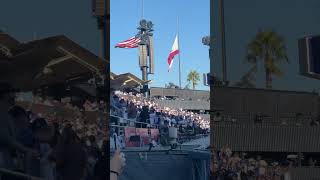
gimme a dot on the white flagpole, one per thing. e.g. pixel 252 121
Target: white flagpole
pixel 179 53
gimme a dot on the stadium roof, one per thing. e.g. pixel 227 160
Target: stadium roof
pixel 46 61
pixel 124 81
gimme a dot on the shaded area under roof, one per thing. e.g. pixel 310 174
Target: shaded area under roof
pixel 47 61
pixel 123 81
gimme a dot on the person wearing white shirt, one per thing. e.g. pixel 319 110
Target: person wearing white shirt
pixel 173 121
pixel 152 118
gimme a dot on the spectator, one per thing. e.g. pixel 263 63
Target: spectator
pixel 132 111
pixel 8 134
pixel 144 116
pixel 70 156
pixel 116 166
pixel 312 162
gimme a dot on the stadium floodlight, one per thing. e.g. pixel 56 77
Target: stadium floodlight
pixel 146 50
pixel 206 40
pixel 143 24
pixel 150 25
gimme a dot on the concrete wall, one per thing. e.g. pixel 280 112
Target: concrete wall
pixel 269 102
pixel 181 93
pixel 267 138
pixel 305 173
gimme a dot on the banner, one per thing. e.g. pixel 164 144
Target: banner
pixel 135 136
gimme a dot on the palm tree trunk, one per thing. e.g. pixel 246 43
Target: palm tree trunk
pixel 193 86
pixel 268 79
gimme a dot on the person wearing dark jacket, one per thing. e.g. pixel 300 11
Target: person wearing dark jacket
pixel 70 156
pixel 8 132
pixel 144 116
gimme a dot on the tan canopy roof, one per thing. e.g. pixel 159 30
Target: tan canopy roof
pixel 47 61
pixel 123 81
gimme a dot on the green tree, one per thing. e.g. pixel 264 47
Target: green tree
pixel 194 78
pixel 269 48
pixel 171 85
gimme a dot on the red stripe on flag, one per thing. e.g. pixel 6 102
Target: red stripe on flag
pixel 130 43
pixel 171 56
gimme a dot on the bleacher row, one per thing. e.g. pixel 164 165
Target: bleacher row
pixel 185 104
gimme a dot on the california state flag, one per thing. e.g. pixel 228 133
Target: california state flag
pixel 173 53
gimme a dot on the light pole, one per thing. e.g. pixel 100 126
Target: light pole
pixel 223 43
pixel 211 78
pixel 145 50
pixel 207 42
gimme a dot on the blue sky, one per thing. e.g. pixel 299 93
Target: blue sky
pixel 26 20
pixel 292 19
pixel 193 25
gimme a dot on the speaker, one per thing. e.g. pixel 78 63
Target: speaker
pixel 309 56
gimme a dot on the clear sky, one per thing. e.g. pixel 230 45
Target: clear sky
pixel 26 20
pixel 291 19
pixel 194 23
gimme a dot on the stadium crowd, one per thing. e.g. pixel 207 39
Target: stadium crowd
pixel 39 145
pixel 226 165
pixel 146 110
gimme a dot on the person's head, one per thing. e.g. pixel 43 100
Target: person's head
pixel 19 114
pixel 92 139
pixel 259 158
pixel 38 124
pixel 68 136
pixel 7 95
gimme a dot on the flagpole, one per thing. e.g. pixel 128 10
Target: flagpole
pixel 179 53
pixel 142 13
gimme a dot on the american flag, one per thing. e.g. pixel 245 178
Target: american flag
pixel 130 43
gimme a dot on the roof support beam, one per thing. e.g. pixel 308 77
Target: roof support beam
pixel 58 60
pixel 80 61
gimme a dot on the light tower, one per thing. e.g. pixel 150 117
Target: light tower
pixel 207 42
pixel 101 11
pixel 146 51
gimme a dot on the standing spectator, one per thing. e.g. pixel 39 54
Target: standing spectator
pixel 70 156
pixel 132 111
pixel 144 116
pixel 8 136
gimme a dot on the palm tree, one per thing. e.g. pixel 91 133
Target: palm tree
pixel 268 47
pixel 194 78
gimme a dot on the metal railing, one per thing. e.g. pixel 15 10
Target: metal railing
pixel 13 174
pixel 263 119
pixel 128 121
